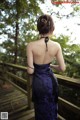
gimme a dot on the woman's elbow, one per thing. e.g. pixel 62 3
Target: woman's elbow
pixel 63 68
pixel 30 71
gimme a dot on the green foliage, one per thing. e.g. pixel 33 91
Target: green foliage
pixel 14 14
pixel 24 14
pixel 71 55
pixel 63 40
pixel 76 8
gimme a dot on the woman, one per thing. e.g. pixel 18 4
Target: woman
pixel 39 56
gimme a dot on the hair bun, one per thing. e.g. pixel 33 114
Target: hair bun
pixel 45 24
pixel 44 21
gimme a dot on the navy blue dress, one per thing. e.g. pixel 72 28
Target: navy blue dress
pixel 44 93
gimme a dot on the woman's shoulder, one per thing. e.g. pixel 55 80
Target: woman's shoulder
pixel 55 44
pixel 31 44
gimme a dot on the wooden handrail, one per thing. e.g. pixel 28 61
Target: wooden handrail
pixel 69 105
pixel 19 67
pixel 17 78
pixel 62 79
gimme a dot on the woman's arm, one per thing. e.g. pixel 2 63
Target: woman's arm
pixel 30 68
pixel 59 57
pixel 57 67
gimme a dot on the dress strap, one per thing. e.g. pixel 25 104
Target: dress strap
pixel 46 40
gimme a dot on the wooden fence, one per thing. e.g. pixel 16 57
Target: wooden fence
pixel 13 72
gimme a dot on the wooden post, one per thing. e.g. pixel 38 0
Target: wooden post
pixel 29 83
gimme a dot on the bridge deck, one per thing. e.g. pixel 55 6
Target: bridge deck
pixel 11 99
pixel 15 103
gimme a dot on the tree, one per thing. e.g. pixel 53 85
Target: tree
pixel 13 14
pixel 19 24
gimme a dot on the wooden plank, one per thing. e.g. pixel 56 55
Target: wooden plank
pixel 27 117
pixel 10 98
pixel 14 104
pixel 60 117
pixel 69 105
pixel 68 81
pixel 19 88
pixel 30 115
pixel 21 114
pixel 8 94
pixel 4 103
pixel 17 78
pixel 18 110
pixel 22 90
pixel 19 67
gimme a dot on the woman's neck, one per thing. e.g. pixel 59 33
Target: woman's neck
pixel 44 36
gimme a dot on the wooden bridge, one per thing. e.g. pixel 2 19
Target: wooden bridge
pixel 15 94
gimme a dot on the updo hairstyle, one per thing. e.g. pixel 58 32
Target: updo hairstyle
pixel 45 24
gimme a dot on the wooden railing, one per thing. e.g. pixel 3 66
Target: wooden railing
pixel 10 75
pixel 11 72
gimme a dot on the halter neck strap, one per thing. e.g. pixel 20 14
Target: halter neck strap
pixel 46 40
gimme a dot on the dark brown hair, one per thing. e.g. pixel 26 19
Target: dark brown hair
pixel 45 24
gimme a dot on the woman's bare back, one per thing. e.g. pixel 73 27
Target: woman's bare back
pixel 40 55
pixel 36 53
